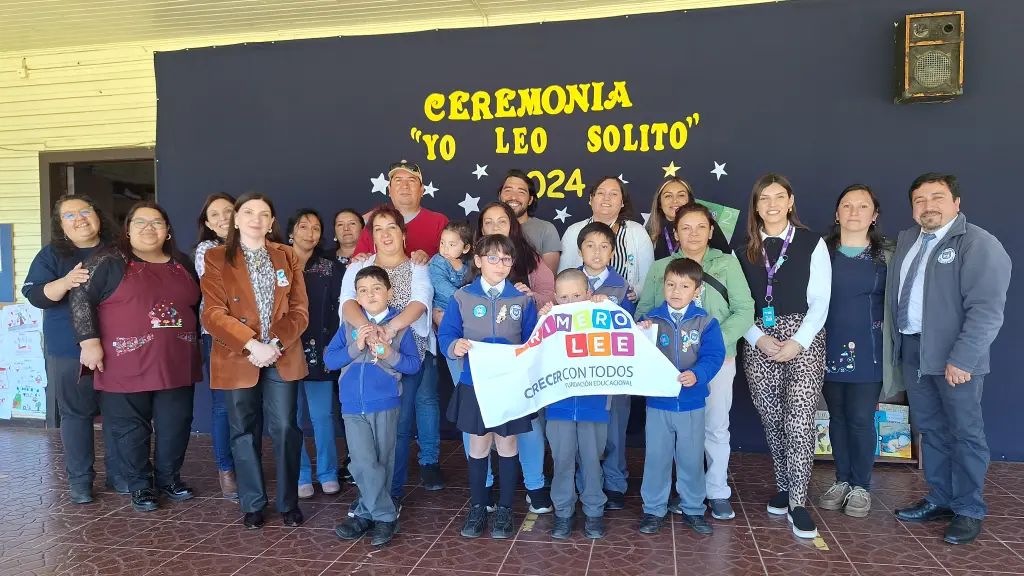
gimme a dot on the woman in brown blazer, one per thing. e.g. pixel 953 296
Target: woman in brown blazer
pixel 254 306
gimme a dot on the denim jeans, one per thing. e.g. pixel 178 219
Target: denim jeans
pixel 531 455
pixel 419 405
pixel 318 396
pixel 219 430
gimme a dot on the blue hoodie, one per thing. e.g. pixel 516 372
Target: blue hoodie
pixel 615 288
pixel 471 314
pixel 580 409
pixel 694 344
pixel 365 387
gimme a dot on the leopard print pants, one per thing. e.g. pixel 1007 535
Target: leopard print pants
pixel 786 396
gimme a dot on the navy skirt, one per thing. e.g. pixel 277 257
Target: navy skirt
pixel 464 412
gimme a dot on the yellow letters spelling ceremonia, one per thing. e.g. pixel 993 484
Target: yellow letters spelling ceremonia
pixel 507 103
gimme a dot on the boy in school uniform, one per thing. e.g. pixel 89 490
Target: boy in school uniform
pixel 369 389
pixel 577 430
pixel 692 339
pixel 596 243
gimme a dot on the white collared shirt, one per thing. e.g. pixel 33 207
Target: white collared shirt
pixel 672 310
pixel 819 292
pixel 379 317
pixel 487 287
pixel 601 278
pixel 916 308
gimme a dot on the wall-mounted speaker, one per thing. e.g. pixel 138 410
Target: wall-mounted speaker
pixel 930 57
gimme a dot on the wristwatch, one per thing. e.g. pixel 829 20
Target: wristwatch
pixel 276 342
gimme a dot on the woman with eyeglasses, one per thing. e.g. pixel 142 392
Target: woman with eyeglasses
pixel 255 307
pixel 78 228
pixel 213 223
pixel 135 319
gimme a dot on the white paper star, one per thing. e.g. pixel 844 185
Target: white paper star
pixel 562 214
pixel 719 170
pixel 380 184
pixel 671 169
pixel 623 180
pixel 429 189
pixel 647 216
pixel 470 204
pixel 480 171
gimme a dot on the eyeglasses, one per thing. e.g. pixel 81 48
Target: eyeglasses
pixel 71 216
pixel 495 259
pixel 142 223
pixel 403 165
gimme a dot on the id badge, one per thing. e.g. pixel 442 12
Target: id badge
pixel 768 316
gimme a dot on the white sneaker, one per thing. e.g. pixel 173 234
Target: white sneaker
pixel 305 491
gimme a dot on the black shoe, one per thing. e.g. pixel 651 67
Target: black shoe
pixel 502 527
pixel 924 511
pixel 475 522
pixel 803 526
pixel 563 527
pixel 178 491
pixel 698 524
pixel 398 506
pixel 343 474
pixel 962 530
pixel 593 527
pixel 432 477
pixel 352 507
pixel 779 504
pixel 145 500
pixel 253 520
pixel 651 524
pixel 117 486
pixel 539 501
pixel 383 532
pixel 81 493
pixel 293 518
pixel 352 528
pixel 616 500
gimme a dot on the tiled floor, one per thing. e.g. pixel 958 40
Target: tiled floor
pixel 42 533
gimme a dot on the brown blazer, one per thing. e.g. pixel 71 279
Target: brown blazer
pixel 231 317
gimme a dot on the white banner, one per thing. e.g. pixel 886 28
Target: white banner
pixel 581 349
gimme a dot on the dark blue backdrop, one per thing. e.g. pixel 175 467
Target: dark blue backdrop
pixel 803 88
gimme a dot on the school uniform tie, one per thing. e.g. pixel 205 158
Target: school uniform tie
pixel 677 317
pixel 493 293
pixel 903 306
pixel 592 282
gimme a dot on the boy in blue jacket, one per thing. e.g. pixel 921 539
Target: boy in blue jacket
pixel 596 243
pixel 369 389
pixel 577 430
pixel 692 340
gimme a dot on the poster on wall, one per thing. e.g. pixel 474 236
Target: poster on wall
pixel 22 366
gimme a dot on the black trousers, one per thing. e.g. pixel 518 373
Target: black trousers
pixel 851 429
pixel 134 418
pixel 78 405
pixel 273 399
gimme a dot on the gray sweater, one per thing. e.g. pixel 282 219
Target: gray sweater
pixel 965 283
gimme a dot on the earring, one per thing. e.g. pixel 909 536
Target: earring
pixel 837 220
pixel 168 236
pixel 291 240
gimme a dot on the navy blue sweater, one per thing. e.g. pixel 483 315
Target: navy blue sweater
pixel 48 266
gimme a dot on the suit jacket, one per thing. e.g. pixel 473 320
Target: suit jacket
pixel 231 317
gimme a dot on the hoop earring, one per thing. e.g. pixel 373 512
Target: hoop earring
pixel 837 220
pixel 168 236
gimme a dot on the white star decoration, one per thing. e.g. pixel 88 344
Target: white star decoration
pixel 562 214
pixel 623 179
pixel 647 216
pixel 470 204
pixel 380 184
pixel 719 170
pixel 480 171
pixel 429 189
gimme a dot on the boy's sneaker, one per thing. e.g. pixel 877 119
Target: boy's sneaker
pixel 81 493
pixel 475 523
pixel 858 503
pixel 616 500
pixel 594 527
pixel 432 477
pixel 779 504
pixel 343 474
pixel 721 509
pixel 398 506
pixel 353 528
pixel 562 528
pixel 697 523
pixel 651 524
pixel 383 532
pixel 502 527
pixel 675 505
pixel 803 526
pixel 539 501
pixel 352 507
pixel 835 497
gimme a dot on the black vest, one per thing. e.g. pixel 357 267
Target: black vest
pixel 789 294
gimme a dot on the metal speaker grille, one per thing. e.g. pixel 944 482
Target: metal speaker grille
pixel 933 69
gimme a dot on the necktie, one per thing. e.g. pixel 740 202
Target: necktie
pixel 373 321
pixel 493 293
pixel 903 306
pixel 592 282
pixel 677 317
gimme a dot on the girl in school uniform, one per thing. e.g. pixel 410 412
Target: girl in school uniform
pixel 489 309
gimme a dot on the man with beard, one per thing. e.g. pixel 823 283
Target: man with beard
pixel 520 193
pixel 946 288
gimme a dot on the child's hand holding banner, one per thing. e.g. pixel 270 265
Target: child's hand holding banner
pixel 580 349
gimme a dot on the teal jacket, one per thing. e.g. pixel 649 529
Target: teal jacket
pixel 735 317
